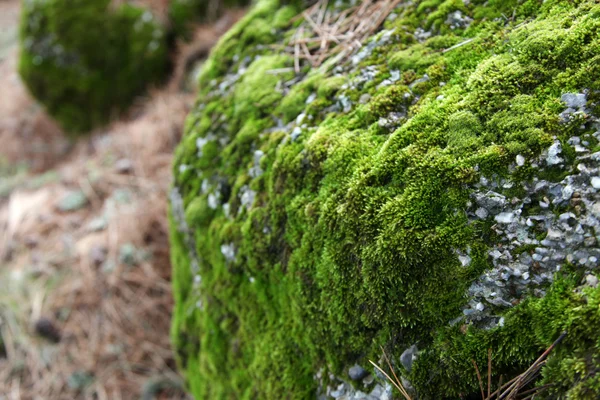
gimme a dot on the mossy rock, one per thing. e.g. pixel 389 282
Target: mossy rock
pixel 438 190
pixel 85 61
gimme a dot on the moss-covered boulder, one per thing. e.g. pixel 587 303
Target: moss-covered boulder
pixel 435 194
pixel 85 61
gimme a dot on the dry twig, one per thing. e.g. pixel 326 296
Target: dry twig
pixel 328 32
pixel 396 382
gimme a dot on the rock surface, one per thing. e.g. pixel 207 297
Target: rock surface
pixel 435 194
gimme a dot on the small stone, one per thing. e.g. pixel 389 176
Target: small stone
pixel 247 197
pixel 364 98
pixel 505 218
pixel 204 186
pixel 377 391
pixel 122 196
pixel 574 100
pixel 567 217
pixel 520 160
pixel 98 255
pixel 228 251
pixel 491 201
pixel 525 258
pixel 408 356
pixel 481 213
pixel 553 152
pixel 465 260
pixel 479 306
pixel 495 254
pixel 554 234
pixel 127 254
pixel 79 380
pixel 368 380
pixel 356 372
pixel 543 251
pixel 97 224
pixel 360 396
pixel 46 329
pixel 124 166
pixel 213 201
pixel 312 97
pixel 72 201
pixel 591 280
pixel 596 182
pixel 339 392
pixel 296 133
pixel 567 192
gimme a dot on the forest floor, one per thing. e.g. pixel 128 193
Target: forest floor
pixel 85 295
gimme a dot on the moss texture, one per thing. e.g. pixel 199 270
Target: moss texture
pixel 85 62
pixel 306 252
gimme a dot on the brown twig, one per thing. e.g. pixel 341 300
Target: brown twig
pixel 478 378
pixel 394 373
pixel 527 376
pixel 489 372
pixel 347 30
pixel 399 387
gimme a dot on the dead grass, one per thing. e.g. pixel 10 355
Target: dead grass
pixel 112 312
pixel 98 276
pixel 327 32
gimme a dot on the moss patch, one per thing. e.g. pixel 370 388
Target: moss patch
pixel 86 63
pixel 312 241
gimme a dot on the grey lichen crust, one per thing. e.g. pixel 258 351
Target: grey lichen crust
pixel 539 225
pixel 435 195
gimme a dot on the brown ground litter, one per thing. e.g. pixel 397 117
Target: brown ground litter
pixel 85 298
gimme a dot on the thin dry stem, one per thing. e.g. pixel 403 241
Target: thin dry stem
pixel 348 29
pixel 478 378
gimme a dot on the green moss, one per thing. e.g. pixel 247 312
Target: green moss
pixel 295 102
pixel 346 240
pixel 83 62
pixel 256 94
pixel 533 325
pixel 240 39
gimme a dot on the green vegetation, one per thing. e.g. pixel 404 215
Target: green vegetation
pixel 346 241
pixel 85 62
